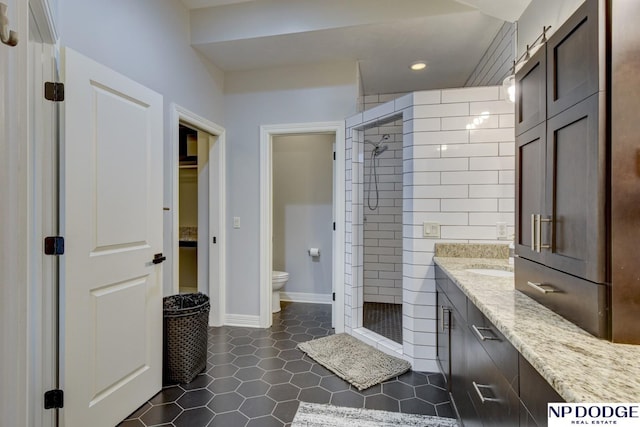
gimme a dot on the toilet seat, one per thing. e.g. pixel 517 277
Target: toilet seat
pixel 279 275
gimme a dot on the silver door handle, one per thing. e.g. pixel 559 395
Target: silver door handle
pixel 482 336
pixel 543 288
pixel 483 399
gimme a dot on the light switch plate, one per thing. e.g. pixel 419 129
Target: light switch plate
pixel 236 222
pixel 431 230
pixel 501 230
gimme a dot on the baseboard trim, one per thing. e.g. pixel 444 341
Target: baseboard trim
pixel 306 297
pixel 243 320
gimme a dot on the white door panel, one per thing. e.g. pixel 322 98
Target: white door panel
pixel 112 223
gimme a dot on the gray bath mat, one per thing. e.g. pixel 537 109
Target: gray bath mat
pixel 354 361
pixel 315 415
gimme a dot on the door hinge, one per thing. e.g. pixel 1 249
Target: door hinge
pixel 54 91
pixel 334 226
pixel 334 296
pixel 53 399
pixel 54 245
pixel 334 155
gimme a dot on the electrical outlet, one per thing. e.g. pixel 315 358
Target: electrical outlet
pixel 501 230
pixel 431 230
pixel 236 222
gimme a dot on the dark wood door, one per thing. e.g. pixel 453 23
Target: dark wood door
pixel 443 335
pixel 531 93
pixel 573 59
pixel 530 188
pixel 459 353
pixel 495 402
pixel 535 393
pixel 575 192
pixel 625 177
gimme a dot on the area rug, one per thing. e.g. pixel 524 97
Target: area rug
pixel 354 361
pixel 315 415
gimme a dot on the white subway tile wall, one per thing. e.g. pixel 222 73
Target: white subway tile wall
pixel 383 224
pixel 453 165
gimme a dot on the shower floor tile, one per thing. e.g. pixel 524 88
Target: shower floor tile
pixel 383 319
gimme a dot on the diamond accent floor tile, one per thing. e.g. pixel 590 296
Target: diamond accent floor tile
pixel 256 377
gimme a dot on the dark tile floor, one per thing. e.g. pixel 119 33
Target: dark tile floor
pixel 383 319
pixel 257 377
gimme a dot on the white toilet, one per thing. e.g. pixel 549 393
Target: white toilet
pixel 278 280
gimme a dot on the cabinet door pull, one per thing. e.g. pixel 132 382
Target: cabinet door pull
pixel 540 221
pixel 443 311
pixel 483 399
pixel 533 232
pixel 542 287
pixel 482 336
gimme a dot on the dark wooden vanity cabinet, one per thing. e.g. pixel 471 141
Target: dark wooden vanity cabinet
pixel 490 383
pixel 562 173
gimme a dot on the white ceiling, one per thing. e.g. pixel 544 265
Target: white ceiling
pixel 383 36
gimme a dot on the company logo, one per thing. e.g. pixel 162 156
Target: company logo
pixel 593 414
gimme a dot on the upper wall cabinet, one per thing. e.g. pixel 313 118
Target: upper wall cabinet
pixel 574 59
pixel 531 104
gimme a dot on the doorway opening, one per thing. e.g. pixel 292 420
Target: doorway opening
pixel 302 216
pixel 382 218
pixel 198 211
pixel 192 203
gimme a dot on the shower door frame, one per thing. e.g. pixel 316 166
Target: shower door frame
pixel 357 207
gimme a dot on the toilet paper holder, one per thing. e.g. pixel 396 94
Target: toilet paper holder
pixel 314 252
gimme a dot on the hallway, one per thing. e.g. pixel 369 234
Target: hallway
pixel 256 377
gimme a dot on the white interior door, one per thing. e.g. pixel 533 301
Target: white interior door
pixel 112 222
pixel 214 236
pixel 204 168
pixel 334 242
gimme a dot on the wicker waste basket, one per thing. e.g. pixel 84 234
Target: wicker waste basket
pixel 186 318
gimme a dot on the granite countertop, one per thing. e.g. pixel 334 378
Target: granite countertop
pixel 580 367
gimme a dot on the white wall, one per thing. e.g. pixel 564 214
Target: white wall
pixel 262 97
pixel 303 213
pixel 149 42
pixel 541 13
pixel 497 62
pixel 459 176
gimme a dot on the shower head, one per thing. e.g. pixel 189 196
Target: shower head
pixel 380 149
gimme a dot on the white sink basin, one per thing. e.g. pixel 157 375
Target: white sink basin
pixel 490 272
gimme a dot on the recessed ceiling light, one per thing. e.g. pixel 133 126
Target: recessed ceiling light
pixel 418 65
